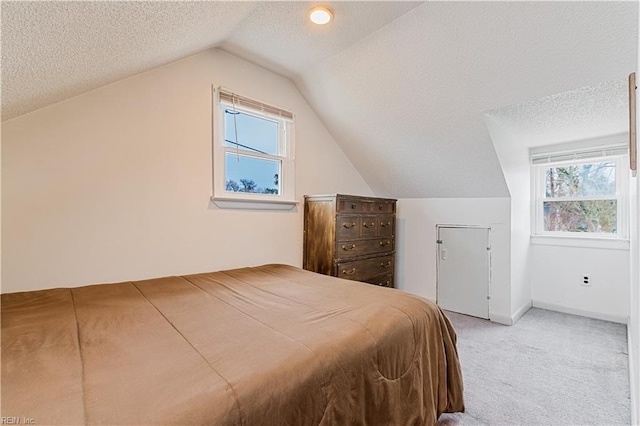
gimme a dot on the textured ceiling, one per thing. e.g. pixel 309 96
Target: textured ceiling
pixel 407 103
pixel 278 36
pixel 53 50
pixel 584 113
pixel 402 86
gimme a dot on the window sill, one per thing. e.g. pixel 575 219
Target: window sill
pixel 584 242
pixel 253 204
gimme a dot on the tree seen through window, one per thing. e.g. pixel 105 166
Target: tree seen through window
pixel 581 198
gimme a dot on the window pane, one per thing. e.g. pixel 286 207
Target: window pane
pixel 581 216
pixel 581 180
pixel 255 134
pixel 250 174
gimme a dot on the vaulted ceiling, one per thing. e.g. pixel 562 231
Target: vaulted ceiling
pixel 402 86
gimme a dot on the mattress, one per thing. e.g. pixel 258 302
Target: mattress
pixel 269 345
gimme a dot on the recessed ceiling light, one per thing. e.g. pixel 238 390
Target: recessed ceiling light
pixel 320 15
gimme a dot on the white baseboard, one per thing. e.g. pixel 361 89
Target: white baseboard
pixel 510 320
pixel 635 393
pixel 520 312
pixel 580 312
pixel 500 319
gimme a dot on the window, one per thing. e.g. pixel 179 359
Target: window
pixel 253 155
pixel 581 193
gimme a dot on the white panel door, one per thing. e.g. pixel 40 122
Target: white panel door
pixel 463 270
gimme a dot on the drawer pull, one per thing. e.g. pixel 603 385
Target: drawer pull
pixel 353 206
pixel 384 225
pixel 385 243
pixel 380 207
pixel 369 225
pixel 352 247
pixel 349 225
pixel 385 265
pixel 349 272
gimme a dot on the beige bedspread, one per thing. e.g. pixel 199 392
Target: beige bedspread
pixel 272 345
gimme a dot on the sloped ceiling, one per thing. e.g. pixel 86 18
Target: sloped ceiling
pixel 576 115
pixel 53 50
pixel 402 86
pixel 407 103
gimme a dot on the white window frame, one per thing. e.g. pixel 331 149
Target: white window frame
pixel 540 162
pixel 285 199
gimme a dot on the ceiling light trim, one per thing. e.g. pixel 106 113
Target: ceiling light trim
pixel 320 15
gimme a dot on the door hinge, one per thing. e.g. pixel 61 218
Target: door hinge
pixel 438 241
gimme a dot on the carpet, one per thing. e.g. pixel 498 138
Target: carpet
pixel 550 368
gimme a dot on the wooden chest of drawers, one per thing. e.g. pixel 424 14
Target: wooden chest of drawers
pixel 350 237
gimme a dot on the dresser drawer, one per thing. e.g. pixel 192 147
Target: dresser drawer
pixel 386 226
pixel 367 269
pixel 369 226
pixel 355 248
pixel 371 206
pixel 384 207
pixel 382 281
pixel 346 205
pixel 348 227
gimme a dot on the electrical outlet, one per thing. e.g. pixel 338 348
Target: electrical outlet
pixel 585 280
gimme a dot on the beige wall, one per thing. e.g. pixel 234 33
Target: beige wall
pixel 115 184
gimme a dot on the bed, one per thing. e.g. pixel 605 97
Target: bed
pixel 269 345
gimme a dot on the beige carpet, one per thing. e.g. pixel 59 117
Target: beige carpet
pixel 548 369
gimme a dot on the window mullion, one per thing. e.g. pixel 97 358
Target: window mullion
pixel 607 197
pixel 231 150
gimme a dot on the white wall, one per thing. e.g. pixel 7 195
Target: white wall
pixel 114 184
pixel 547 275
pixel 0 202
pixel 556 273
pixel 417 249
pixel 634 291
pixel 514 160
pixel 634 299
